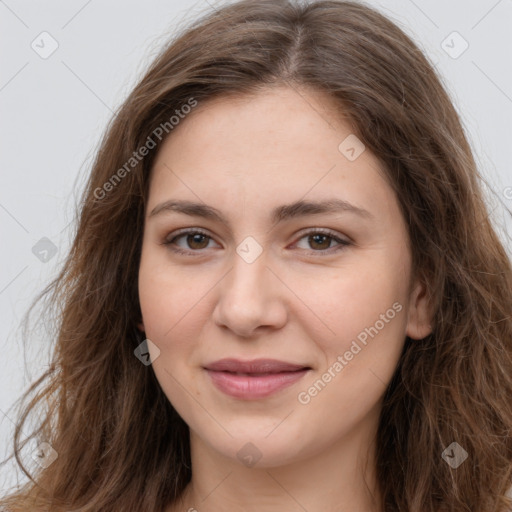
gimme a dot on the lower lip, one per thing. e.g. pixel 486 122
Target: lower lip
pixel 253 388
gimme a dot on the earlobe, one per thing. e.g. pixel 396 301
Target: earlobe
pixel 141 327
pixel 419 324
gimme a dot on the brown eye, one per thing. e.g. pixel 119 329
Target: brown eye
pixel 319 242
pixel 195 241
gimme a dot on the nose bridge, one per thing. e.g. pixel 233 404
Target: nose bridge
pixel 247 299
pixel 247 280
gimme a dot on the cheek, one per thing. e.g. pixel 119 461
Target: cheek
pixel 169 307
pixel 167 300
pixel 368 318
pixel 355 300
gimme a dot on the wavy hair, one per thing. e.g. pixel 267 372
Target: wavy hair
pixel 121 445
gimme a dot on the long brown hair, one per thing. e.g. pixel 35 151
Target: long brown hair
pixel 121 446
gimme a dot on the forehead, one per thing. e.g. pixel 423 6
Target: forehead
pixel 280 143
pixel 270 111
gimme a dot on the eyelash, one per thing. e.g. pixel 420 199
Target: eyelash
pixel 317 231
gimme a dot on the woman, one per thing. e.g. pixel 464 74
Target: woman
pixel 284 292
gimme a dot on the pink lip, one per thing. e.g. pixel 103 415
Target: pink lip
pixel 251 380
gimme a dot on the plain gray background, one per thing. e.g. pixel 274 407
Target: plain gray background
pixel 54 110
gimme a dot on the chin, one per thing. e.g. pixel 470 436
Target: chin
pixel 257 449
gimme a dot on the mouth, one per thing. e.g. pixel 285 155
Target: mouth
pixel 256 366
pixel 252 380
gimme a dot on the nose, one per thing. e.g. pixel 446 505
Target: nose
pixel 250 299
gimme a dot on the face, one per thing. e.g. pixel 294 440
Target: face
pixel 295 252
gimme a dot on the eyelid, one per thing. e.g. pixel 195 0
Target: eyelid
pixel 324 231
pixel 185 231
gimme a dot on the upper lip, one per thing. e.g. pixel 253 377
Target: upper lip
pixel 254 366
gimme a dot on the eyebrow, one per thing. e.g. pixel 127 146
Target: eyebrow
pixel 279 214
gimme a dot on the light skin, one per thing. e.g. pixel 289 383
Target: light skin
pixel 303 300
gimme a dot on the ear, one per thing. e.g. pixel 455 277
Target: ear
pixel 420 317
pixel 141 327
